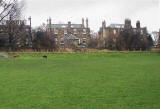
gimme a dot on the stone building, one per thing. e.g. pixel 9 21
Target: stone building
pixel 16 25
pixel 4 37
pixel 68 35
pixel 114 29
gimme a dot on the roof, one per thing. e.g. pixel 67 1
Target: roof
pixel 116 26
pixel 66 25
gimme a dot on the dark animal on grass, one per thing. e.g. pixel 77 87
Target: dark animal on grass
pixel 16 56
pixel 45 57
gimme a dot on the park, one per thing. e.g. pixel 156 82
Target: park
pixel 79 54
pixel 80 81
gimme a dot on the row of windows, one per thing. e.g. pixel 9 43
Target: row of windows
pixel 65 31
pixel 135 30
pixel 141 31
pixel 79 41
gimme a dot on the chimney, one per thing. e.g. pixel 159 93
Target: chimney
pixel 47 21
pixel 159 34
pixel 104 24
pixel 83 22
pixel 69 24
pixel 128 24
pixel 87 23
pixel 50 21
pixel 138 25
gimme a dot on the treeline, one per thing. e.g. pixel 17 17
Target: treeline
pixel 125 40
pixel 19 39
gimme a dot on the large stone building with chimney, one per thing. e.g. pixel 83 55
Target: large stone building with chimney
pixel 115 29
pixel 67 35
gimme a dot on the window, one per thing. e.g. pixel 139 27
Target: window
pixel 55 31
pixel 62 41
pixel 75 31
pixel 65 31
pixel 114 31
pixel 84 31
pixel 1 30
pixel 135 30
pixel 56 41
pixel 79 41
pixel 141 31
pixel 84 40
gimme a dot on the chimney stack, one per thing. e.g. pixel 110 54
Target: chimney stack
pixel 50 21
pixel 138 25
pixel 104 24
pixel 128 24
pixel 87 23
pixel 47 22
pixel 69 24
pixel 83 22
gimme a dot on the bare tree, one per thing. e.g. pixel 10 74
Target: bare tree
pixel 6 8
pixel 93 43
pixel 17 30
pixel 43 40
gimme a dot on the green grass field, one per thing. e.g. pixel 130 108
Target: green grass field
pixel 81 81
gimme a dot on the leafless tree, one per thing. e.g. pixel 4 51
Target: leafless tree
pixel 93 43
pixel 43 40
pixel 6 8
pixel 17 30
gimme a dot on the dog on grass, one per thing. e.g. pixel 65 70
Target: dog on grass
pixel 16 56
pixel 44 57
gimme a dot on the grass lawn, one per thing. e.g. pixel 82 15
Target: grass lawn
pixel 81 81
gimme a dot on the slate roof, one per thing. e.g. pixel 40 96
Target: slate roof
pixel 66 25
pixel 116 26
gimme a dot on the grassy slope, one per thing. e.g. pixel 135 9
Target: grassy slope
pixel 81 81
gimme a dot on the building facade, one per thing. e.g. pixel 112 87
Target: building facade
pixel 115 29
pixel 15 27
pixel 67 35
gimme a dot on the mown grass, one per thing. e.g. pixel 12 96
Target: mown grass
pixel 81 81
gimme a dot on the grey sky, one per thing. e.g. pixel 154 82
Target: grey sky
pixel 113 11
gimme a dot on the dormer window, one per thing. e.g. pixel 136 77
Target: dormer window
pixel 75 31
pixel 65 31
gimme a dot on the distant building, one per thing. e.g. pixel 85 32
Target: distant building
pixel 4 37
pixel 115 29
pixel 69 34
pixel 4 29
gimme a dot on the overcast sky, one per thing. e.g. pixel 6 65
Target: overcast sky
pixel 113 11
